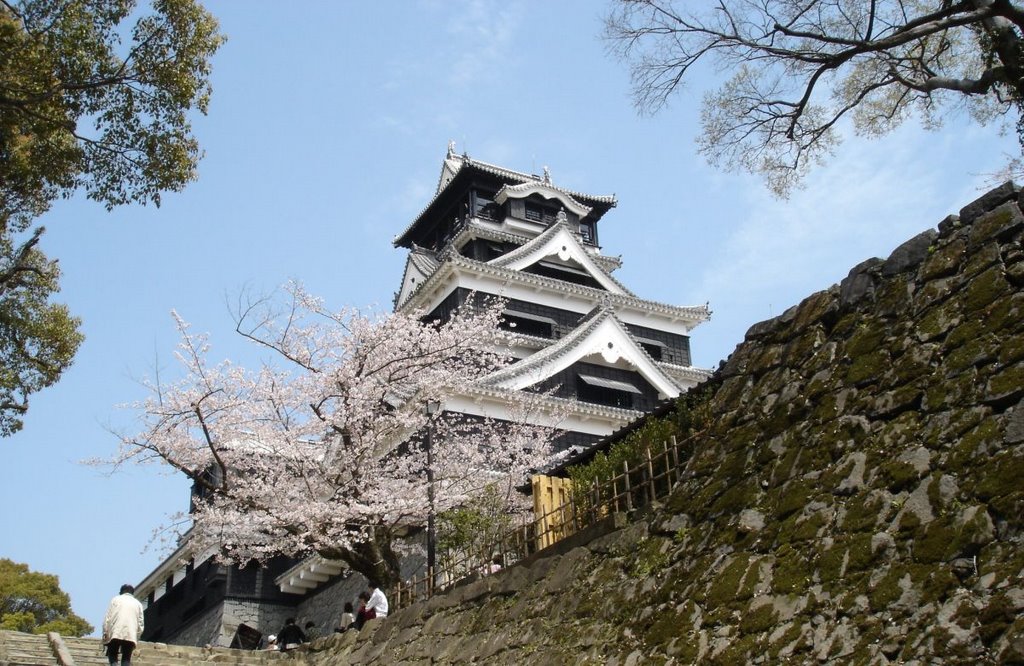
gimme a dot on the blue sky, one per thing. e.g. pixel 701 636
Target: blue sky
pixel 324 139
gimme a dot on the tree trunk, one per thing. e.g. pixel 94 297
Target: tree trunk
pixel 373 558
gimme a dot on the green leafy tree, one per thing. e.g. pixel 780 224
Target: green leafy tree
pixel 467 534
pixel 38 339
pixel 796 69
pixel 87 103
pixel 33 602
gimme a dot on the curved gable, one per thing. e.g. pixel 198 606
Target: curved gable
pixel 604 336
pixel 558 241
pixel 418 267
pixel 524 190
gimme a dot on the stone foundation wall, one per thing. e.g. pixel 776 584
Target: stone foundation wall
pixel 203 630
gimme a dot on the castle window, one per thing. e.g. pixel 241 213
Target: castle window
pixel 655 348
pixel 587 233
pixel 528 324
pixel 484 206
pixel 534 212
pixel 565 273
pixel 604 391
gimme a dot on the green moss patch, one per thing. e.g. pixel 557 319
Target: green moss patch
pixel 986 288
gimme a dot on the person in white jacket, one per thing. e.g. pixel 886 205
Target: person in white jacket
pixel 122 626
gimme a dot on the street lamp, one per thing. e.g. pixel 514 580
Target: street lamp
pixel 430 408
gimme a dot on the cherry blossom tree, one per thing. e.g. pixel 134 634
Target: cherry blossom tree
pixel 319 450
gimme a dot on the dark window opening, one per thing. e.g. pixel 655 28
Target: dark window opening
pixel 535 212
pixel 527 324
pixel 654 348
pixel 484 205
pixel 587 232
pixel 603 391
pixel 564 273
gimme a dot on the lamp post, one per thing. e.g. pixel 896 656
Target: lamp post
pixel 431 408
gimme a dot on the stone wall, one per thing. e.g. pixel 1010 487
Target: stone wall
pixel 859 498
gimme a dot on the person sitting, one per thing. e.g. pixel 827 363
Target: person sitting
pixel 378 603
pixel 364 613
pixel 291 636
pixel 347 618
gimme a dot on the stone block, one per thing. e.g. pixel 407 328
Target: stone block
pixel 859 283
pixel 1008 191
pixel 911 253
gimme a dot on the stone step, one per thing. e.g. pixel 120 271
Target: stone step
pixel 19 649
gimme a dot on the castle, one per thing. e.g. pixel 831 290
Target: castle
pixel 599 354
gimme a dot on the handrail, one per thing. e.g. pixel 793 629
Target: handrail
pixel 634 488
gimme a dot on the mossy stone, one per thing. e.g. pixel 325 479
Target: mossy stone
pixel 759 619
pixel 968 330
pixel 1012 350
pixel 1000 475
pixel 973 353
pixel 937 292
pixel 945 260
pixel 732 583
pixel 898 476
pixel 887 590
pixel 794 496
pixel 868 367
pixel 1005 314
pixel 996 223
pixel 936 324
pixel 866 338
pixel 863 513
pixel 955 391
pixel 801 528
pixel 985 288
pixel 980 259
pixel 1006 386
pixel 737 497
pixel 816 308
pixel 895 296
pixel 995 618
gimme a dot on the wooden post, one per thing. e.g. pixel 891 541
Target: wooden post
pixel 572 512
pixel 675 458
pixel 668 465
pixel 650 475
pixel 629 490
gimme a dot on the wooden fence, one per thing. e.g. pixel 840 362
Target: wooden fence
pixel 633 488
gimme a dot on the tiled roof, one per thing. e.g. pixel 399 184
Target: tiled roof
pixel 575 406
pixel 423 260
pixel 452 260
pixel 502 172
pixel 571 342
pixel 476 229
pixel 456 163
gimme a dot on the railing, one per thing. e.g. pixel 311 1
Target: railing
pixel 634 488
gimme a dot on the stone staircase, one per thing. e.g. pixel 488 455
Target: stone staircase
pixel 20 649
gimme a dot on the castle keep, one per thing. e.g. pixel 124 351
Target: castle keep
pixel 599 353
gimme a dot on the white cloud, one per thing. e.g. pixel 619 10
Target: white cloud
pixel 481 35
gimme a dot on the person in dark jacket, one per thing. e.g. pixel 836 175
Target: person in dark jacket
pixel 291 636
